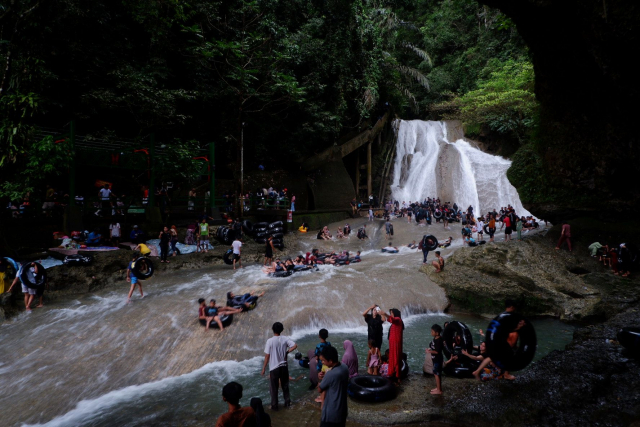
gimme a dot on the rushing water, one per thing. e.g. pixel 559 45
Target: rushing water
pixel 428 164
pixel 97 361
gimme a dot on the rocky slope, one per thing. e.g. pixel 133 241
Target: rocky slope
pixel 571 286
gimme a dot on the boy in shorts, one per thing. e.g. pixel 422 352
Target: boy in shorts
pixel 203 236
pixel 131 277
pixel 435 350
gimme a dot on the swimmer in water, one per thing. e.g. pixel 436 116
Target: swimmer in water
pixel 390 248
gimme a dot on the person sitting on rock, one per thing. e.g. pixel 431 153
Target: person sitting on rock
pixel 439 263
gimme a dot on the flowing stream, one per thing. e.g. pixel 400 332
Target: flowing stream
pixel 430 163
pixel 96 361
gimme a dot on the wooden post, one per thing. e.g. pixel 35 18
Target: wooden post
pixel 212 177
pixel 357 173
pixel 72 163
pixel 369 183
pixel 152 172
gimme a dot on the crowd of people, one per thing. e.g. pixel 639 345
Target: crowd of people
pixel 618 257
pixel 330 375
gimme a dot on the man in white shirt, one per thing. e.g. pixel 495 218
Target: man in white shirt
pixel 275 354
pixel 236 245
pixel 114 233
pixel 105 197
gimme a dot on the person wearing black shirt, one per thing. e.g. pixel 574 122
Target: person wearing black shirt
pixel 165 238
pixel 435 350
pixel 374 318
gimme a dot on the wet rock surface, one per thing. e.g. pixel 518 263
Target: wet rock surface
pixel 571 286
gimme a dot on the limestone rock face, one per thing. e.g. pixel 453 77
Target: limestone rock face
pixel 588 138
pixel 544 281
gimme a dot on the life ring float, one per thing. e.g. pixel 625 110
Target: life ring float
pixel 277 235
pixel 252 304
pixel 257 230
pixel 228 257
pixel 437 214
pixel 464 370
pixel 431 237
pixel 630 339
pixel 302 267
pixel 404 367
pixel 283 273
pixel 369 388
pixel 388 251
pixel 260 240
pixel 276 224
pixel 226 320
pixel 499 349
pixel 261 225
pixel 247 226
pixel 136 268
pixel 31 280
pixel 276 230
pixel 302 229
pixel 485 228
pixel 452 330
pixel 279 246
pixel 262 234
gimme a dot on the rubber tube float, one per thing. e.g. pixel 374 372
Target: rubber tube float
pixel 498 348
pixel 31 280
pixel 369 388
pixel 136 268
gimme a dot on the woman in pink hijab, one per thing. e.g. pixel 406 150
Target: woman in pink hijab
pixel 350 358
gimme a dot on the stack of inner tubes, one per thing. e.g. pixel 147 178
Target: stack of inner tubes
pixel 225 235
pixel 262 231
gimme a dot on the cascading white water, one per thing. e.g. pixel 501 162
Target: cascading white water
pixel 428 164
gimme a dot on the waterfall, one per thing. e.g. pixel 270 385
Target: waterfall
pixel 429 164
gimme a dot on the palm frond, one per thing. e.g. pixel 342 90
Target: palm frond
pixel 413 73
pixel 406 92
pixel 421 53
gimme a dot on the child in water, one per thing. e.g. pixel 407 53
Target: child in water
pixel 373 359
pixel 323 335
pixel 384 367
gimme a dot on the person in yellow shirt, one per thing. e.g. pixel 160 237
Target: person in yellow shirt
pixel 3 274
pixel 144 249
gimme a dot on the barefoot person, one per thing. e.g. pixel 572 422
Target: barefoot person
pixel 439 263
pixel 275 355
pixel 29 293
pixel 214 312
pixel 236 415
pixel 236 245
pixel 435 350
pixel 131 277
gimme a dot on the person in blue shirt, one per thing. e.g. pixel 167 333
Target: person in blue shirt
pixel 323 335
pixel 94 238
pixel 136 235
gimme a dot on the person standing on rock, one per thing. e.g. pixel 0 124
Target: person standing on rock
pixel 275 356
pixel 492 226
pixel 565 236
pixel 374 317
pixel 236 245
pixel 203 236
pixel 165 239
pixel 424 245
pixel 395 344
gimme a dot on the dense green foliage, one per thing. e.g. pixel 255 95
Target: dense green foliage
pixel 293 75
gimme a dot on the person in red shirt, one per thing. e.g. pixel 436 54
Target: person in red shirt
pixel 236 416
pixel 507 229
pixel 565 236
pixel 395 344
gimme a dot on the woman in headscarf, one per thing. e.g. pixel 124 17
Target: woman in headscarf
pixel 262 419
pixel 350 358
pixel 395 344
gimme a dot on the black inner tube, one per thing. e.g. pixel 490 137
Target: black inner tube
pixel 501 353
pixel 452 330
pixel 31 280
pixel 228 257
pixel 433 246
pixel 142 275
pixel 371 388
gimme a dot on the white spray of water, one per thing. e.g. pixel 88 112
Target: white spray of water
pixel 427 164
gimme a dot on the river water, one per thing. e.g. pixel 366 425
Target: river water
pixel 97 361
